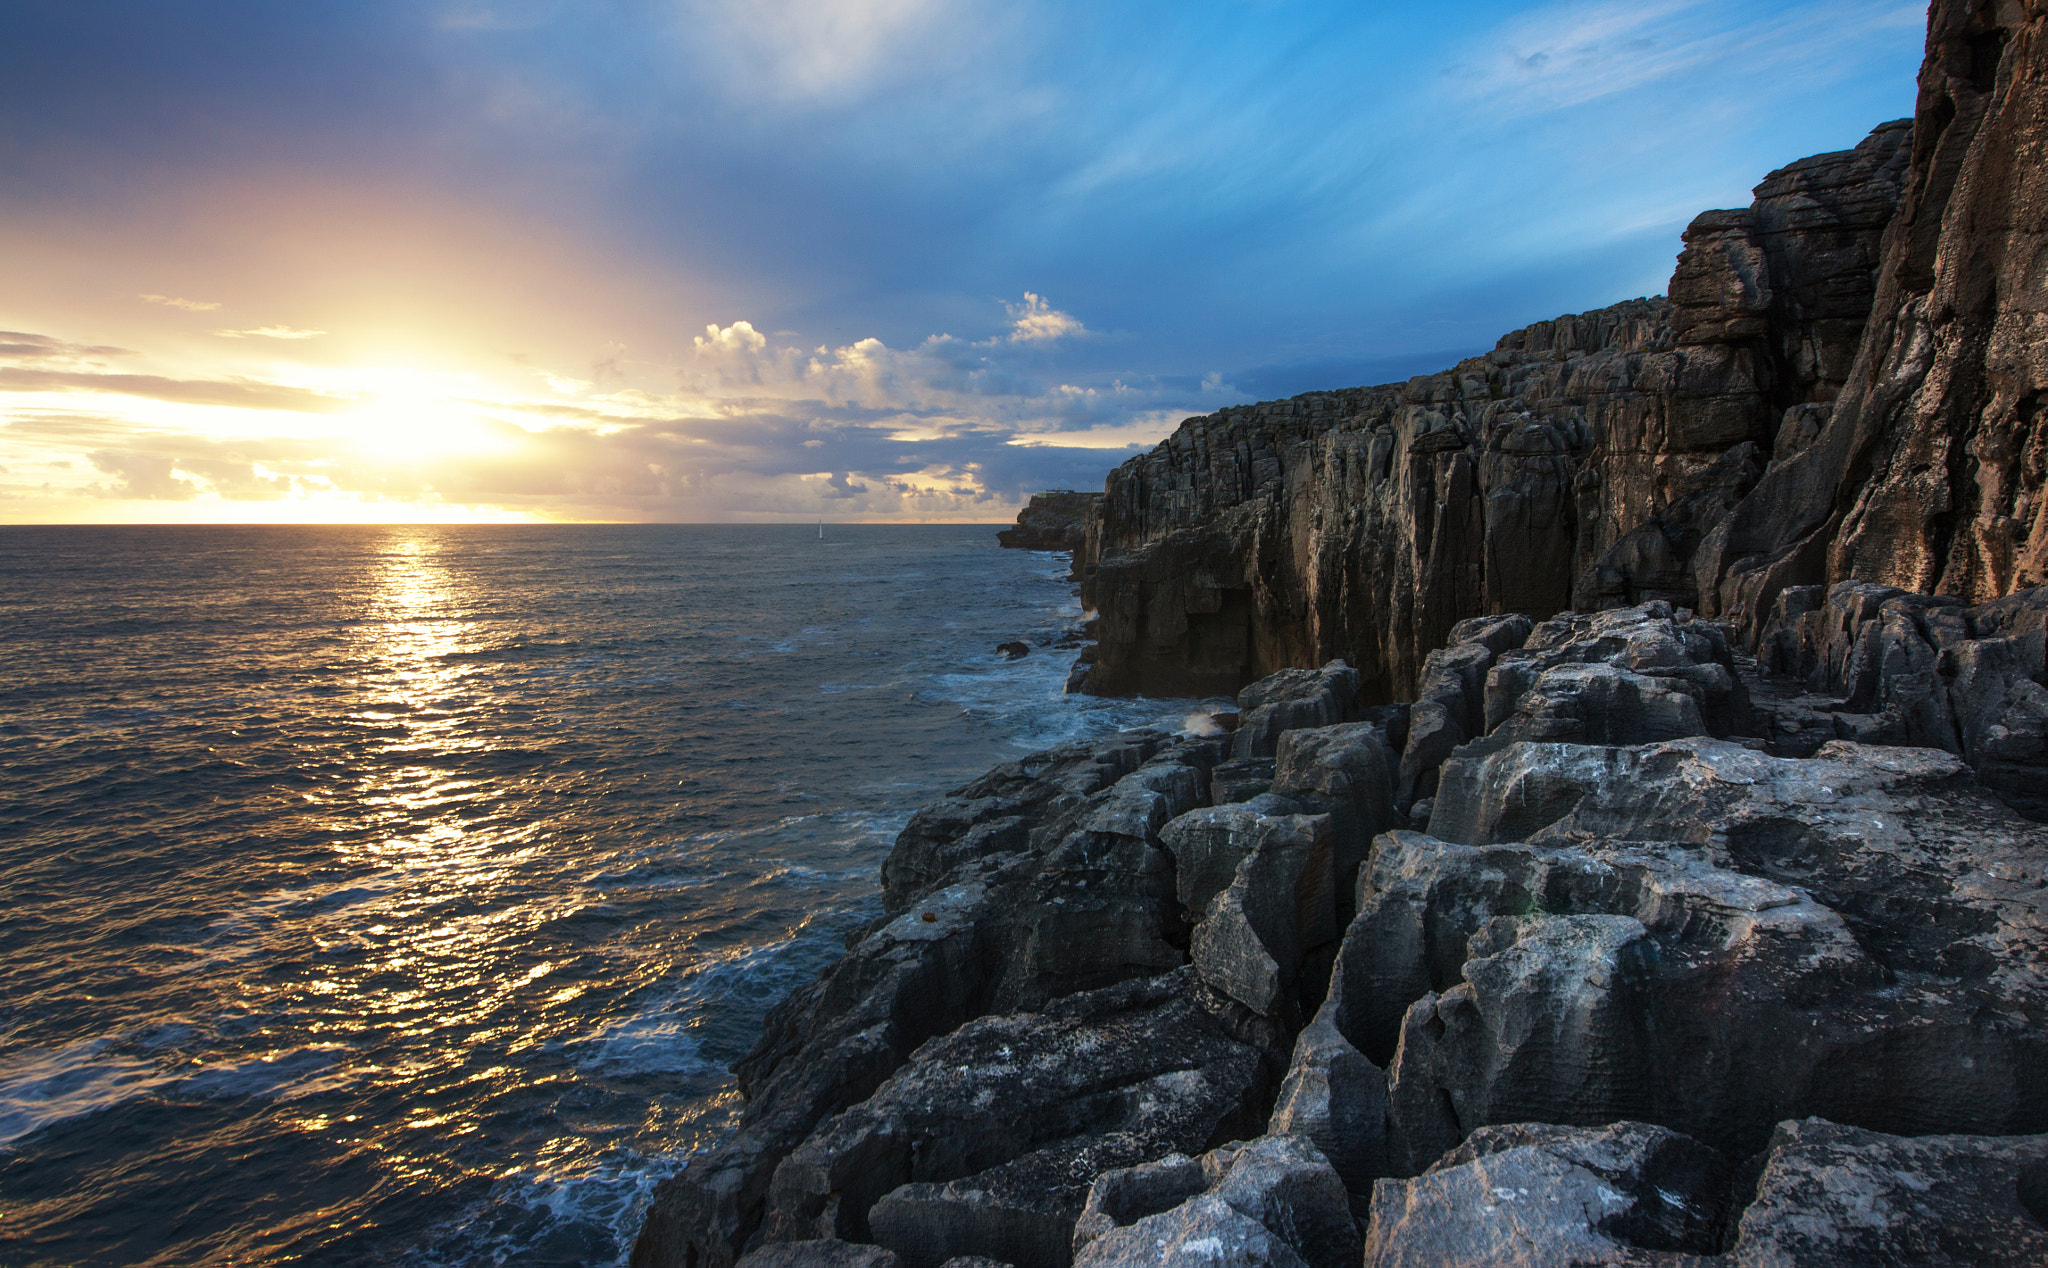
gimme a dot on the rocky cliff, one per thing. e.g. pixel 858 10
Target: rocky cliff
pixel 1928 473
pixel 1843 383
pixel 1054 520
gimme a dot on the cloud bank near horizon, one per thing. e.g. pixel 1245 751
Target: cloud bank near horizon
pixel 716 259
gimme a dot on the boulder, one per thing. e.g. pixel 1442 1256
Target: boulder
pixel 1839 1197
pixel 1533 1195
pixel 1271 1201
pixel 1292 699
pixel 1820 1196
pixel 1586 982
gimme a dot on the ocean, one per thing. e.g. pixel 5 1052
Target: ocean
pixel 401 894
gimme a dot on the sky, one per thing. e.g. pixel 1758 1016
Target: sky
pixel 850 260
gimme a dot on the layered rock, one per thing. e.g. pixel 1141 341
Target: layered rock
pixel 1057 519
pixel 1928 473
pixel 1579 464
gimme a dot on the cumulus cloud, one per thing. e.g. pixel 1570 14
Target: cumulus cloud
pixel 143 475
pixel 189 305
pixel 1034 320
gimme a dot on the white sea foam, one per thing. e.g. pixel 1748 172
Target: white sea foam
pixel 40 1087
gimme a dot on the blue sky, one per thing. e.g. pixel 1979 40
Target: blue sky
pixel 732 259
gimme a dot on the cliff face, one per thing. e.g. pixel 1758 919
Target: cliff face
pixel 1929 473
pixel 1054 520
pixel 1579 464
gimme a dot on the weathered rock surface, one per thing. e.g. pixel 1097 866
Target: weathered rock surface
pixel 824 1252
pixel 1537 1195
pixel 1274 1201
pixel 953 948
pixel 1833 1196
pixel 1928 471
pixel 1580 464
pixel 987 1141
pixel 1826 1196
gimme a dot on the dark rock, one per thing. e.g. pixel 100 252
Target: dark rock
pixel 1869 902
pixel 1928 472
pixel 1826 1196
pixel 1899 668
pixel 1054 520
pixel 1336 1098
pixel 1290 700
pixel 820 1253
pixel 1014 651
pixel 1840 1197
pixel 1240 781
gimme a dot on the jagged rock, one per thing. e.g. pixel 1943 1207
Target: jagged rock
pixel 1932 874
pixel 1532 1195
pixel 1581 463
pixel 1336 1098
pixel 1451 707
pixel 1101 907
pixel 999 812
pixel 1289 700
pixel 1630 676
pixel 1240 781
pixel 1347 773
pixel 969 862
pixel 1280 904
pixel 1014 651
pixel 974 1261
pixel 1900 668
pixel 987 1141
pixel 820 1253
pixel 1272 1201
pixel 1205 1230
pixel 1899 986
pixel 1928 473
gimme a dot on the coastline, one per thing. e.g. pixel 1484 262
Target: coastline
pixel 1652 872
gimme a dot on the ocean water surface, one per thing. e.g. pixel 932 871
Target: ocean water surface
pixel 400 895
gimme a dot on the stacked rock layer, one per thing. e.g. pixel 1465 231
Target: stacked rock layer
pixel 1610 948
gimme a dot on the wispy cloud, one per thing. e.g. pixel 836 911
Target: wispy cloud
pixel 270 332
pixel 1571 53
pixel 189 305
